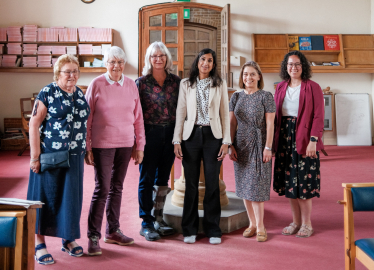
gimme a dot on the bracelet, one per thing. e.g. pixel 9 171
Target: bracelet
pixel 176 143
pixel 267 148
pixel 34 159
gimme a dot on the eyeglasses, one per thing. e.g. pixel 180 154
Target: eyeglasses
pixel 296 65
pixel 113 63
pixel 158 56
pixel 69 73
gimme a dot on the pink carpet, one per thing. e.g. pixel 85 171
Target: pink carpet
pixel 324 250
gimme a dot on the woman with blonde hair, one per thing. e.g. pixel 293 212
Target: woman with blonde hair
pixel 252 113
pixel 58 124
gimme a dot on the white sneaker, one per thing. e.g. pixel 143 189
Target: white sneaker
pixel 190 239
pixel 215 240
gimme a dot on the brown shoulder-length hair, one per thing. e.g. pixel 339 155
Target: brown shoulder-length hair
pixel 256 66
pixel 306 69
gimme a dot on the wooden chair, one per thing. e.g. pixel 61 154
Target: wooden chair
pixel 357 197
pixel 25 116
pixel 12 239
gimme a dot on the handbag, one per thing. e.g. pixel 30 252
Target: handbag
pixel 56 160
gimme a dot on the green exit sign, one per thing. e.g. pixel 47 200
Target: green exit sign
pixel 186 13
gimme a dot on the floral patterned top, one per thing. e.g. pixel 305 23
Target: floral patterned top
pixel 63 108
pixel 159 104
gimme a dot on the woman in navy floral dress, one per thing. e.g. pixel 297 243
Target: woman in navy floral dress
pixel 252 113
pixel 57 107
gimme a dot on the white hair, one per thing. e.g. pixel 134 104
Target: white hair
pixel 114 52
pixel 154 47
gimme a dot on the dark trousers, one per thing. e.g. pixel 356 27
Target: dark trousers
pixel 155 168
pixel 110 171
pixel 201 145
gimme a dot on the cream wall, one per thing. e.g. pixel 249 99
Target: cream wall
pixel 247 17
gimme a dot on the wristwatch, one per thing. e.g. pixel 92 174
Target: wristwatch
pixel 312 139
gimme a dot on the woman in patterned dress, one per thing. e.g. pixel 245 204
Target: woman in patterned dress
pixel 252 113
pixel 297 140
pixel 202 132
pixel 57 107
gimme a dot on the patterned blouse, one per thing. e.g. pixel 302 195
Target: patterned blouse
pixel 63 108
pixel 202 102
pixel 159 104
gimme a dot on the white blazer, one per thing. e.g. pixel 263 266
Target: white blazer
pixel 218 112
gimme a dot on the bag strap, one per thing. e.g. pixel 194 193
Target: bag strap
pixel 72 132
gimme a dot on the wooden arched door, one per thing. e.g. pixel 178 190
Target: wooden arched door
pixel 164 22
pixel 196 38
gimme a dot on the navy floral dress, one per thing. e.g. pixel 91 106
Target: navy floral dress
pixel 61 190
pixel 295 176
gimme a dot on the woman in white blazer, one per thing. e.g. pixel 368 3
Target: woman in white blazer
pixel 202 131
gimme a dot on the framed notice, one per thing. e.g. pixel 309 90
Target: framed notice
pixel 329 112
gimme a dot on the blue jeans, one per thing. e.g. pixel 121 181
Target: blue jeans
pixel 155 168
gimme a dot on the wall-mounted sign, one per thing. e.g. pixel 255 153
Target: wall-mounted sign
pixel 186 13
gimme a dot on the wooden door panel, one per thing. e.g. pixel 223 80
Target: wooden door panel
pixel 165 25
pixel 225 43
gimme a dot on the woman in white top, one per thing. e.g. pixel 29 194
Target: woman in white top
pixel 202 132
pixel 297 140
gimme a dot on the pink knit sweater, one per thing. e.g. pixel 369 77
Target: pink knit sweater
pixel 116 115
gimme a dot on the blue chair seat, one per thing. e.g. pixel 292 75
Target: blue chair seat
pixel 367 246
pixel 8 227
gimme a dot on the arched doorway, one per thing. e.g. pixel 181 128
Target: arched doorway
pixel 165 22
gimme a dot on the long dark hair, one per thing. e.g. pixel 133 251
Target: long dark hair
pixel 194 71
pixel 306 69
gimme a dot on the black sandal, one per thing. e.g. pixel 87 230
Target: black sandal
pixel 40 260
pixel 65 248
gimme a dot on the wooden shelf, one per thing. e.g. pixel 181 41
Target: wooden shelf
pixel 94 42
pixel 81 57
pixel 51 42
pixel 48 70
pixel 320 52
pixel 325 69
pixel 356 53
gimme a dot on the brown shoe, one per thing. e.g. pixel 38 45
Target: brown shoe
pixel 118 238
pixel 249 232
pixel 262 237
pixel 94 246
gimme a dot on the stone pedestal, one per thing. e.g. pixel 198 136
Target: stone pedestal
pixel 180 189
pixel 233 215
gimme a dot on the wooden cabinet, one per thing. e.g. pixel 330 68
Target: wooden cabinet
pixel 81 57
pixel 356 53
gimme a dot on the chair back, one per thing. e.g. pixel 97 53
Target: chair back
pixel 25 114
pixel 362 198
pixel 8 227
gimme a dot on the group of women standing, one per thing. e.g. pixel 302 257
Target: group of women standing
pixel 120 119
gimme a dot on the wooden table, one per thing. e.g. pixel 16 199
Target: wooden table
pixel 28 243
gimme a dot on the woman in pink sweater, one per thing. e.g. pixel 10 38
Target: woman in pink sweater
pixel 116 119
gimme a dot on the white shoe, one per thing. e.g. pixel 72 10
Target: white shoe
pixel 215 240
pixel 190 239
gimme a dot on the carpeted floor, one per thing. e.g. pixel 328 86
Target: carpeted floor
pixel 324 250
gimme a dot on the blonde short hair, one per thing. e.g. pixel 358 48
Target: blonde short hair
pixel 61 61
pixel 157 46
pixel 256 66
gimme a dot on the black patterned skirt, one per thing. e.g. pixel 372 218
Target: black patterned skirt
pixel 294 176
